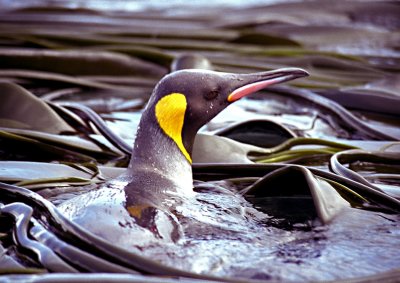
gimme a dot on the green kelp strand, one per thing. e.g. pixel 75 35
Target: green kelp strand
pixel 311 141
pixel 54 182
pixel 88 167
pixel 288 144
pixel 25 270
pixel 295 153
pixel 346 192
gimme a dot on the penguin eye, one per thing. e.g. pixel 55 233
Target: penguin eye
pixel 211 95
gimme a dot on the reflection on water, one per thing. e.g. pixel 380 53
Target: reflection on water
pixel 133 5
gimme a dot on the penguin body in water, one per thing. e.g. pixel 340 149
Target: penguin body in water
pixel 151 202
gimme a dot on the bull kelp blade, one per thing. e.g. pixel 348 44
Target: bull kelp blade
pixel 72 143
pixel 16 171
pixel 77 62
pixel 326 201
pixel 15 101
pixel 38 150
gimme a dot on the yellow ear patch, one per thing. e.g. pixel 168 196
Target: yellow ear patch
pixel 170 114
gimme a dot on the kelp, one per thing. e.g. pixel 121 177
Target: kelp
pixel 27 129
pixel 262 133
pixel 29 113
pixel 103 256
pixel 47 257
pixel 65 80
pixel 100 250
pixel 389 158
pixel 302 155
pixel 207 172
pixel 76 56
pixel 77 62
pixel 102 127
pixel 346 118
pixel 277 189
pixel 67 142
pixel 367 99
pixel 19 171
pixel 239 130
pixel 51 180
pixel 16 145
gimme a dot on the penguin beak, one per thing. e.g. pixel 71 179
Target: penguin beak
pixel 251 83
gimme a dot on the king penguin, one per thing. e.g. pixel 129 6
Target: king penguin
pixel 159 176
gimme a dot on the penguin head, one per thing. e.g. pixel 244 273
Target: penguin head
pixel 184 101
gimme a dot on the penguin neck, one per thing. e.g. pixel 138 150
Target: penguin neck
pixel 156 156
